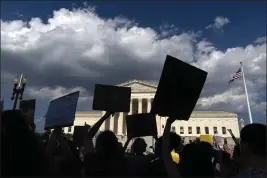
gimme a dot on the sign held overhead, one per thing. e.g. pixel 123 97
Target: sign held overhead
pixel 27 107
pixel 61 111
pixel 112 98
pixel 179 88
pixel 140 125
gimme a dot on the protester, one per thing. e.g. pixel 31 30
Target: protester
pixel 253 151
pixel 54 154
pixel 156 168
pixel 21 154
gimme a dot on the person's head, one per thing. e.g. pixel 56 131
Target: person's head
pixel 253 141
pixel 175 142
pixel 19 145
pixel 139 146
pixel 195 160
pixel 106 143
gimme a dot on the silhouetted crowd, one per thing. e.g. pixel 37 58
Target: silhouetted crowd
pixel 24 153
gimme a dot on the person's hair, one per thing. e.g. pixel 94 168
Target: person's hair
pixel 255 136
pixel 139 146
pixel 20 150
pixel 195 160
pixel 175 142
pixel 106 143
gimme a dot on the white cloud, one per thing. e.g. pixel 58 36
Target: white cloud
pixel 79 48
pixel 260 40
pixel 48 93
pixel 219 22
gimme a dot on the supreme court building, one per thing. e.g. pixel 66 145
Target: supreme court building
pixel 143 92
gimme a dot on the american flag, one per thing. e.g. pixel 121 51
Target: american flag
pixel 237 75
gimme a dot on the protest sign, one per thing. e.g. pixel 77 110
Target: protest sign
pixel 179 88
pixel 140 125
pixel 27 107
pixel 112 98
pixel 1 105
pixel 206 138
pixel 79 135
pixel 217 139
pixel 61 111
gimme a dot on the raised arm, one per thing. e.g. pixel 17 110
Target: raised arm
pixel 98 124
pixel 166 155
pixel 126 144
pixel 88 142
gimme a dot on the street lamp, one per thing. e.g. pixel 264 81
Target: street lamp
pixel 241 123
pixel 18 89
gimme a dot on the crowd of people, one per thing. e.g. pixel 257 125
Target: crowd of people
pixel 24 153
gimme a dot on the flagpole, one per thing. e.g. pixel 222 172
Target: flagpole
pixel 246 92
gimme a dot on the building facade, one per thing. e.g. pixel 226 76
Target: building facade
pixel 200 122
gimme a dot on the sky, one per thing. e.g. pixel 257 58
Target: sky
pixel 65 47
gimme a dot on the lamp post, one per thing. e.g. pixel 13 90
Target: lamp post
pixel 241 123
pixel 18 89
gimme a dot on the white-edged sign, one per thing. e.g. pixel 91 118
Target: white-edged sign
pixel 61 111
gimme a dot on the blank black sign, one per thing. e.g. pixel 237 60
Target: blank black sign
pixel 112 98
pixel 1 105
pixel 140 125
pixel 179 88
pixel 79 135
pixel 28 109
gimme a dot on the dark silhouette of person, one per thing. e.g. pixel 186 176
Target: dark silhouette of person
pixel 106 160
pixel 196 160
pixel 21 153
pixel 156 167
pixel 253 151
pixel 137 161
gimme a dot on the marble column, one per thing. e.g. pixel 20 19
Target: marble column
pixel 111 123
pixel 120 123
pixel 158 123
pixel 139 106
pixel 148 105
pixel 131 107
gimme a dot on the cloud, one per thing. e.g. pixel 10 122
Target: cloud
pixel 260 40
pixel 48 93
pixel 80 48
pixel 219 23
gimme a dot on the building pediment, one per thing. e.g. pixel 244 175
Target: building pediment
pixel 139 86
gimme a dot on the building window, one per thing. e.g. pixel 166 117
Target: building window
pixel 215 131
pixel 173 129
pixel 225 141
pixel 206 130
pixel 198 130
pixel 223 130
pixel 163 126
pixel 189 130
pixel 69 129
pixel 181 130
